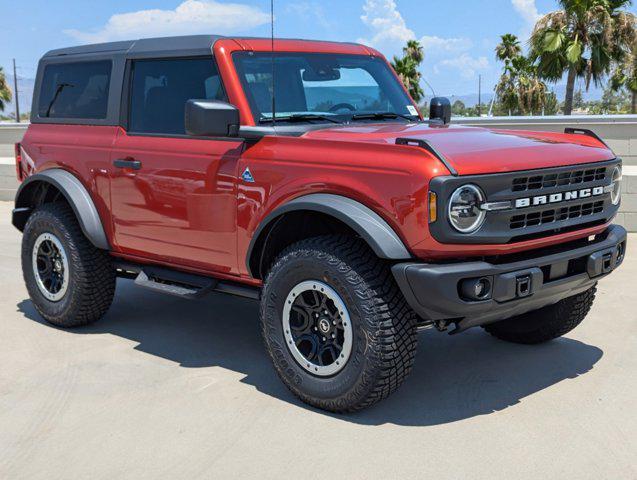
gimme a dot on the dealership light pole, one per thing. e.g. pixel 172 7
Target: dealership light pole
pixel 17 100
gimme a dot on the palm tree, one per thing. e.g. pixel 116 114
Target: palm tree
pixel 519 90
pixel 583 39
pixel 414 50
pixel 625 76
pixel 5 91
pixel 407 70
pixel 508 49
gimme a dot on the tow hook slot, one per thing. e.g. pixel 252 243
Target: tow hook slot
pixel 523 286
pixel 607 263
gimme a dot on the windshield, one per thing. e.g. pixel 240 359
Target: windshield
pixel 316 87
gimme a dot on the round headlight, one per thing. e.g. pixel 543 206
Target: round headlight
pixel 616 192
pixel 465 214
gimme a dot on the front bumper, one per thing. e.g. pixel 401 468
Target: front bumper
pixel 433 290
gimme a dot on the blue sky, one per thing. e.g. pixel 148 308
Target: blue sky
pixel 459 36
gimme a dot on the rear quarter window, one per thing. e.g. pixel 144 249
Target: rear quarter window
pixel 75 90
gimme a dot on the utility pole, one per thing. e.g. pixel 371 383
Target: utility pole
pixel 479 95
pixel 17 99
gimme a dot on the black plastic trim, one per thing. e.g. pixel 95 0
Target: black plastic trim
pixel 76 195
pixel 432 289
pixel 585 131
pixel 425 145
pixel 365 222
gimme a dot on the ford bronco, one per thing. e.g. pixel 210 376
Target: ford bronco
pixel 301 174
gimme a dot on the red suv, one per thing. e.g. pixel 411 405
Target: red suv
pixel 303 176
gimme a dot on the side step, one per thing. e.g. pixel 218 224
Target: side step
pixel 182 284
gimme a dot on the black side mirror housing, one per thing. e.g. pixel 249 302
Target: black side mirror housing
pixel 440 110
pixel 211 118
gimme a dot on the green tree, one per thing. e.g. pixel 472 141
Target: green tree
pixel 625 77
pixel 508 49
pixel 582 40
pixel 551 104
pixel 414 50
pixel 519 90
pixel 5 91
pixel 407 68
pixel 458 108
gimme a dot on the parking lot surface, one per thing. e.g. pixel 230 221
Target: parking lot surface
pixel 164 388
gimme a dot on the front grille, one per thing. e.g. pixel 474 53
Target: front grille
pixel 555 215
pixel 541 212
pixel 575 177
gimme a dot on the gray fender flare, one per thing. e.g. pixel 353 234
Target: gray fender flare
pixel 76 195
pixel 365 222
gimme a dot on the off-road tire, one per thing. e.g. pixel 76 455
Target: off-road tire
pixel 384 326
pixel 546 323
pixel 92 276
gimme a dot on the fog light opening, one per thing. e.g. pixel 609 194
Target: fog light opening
pixel 620 253
pixel 476 289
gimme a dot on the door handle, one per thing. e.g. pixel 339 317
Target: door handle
pixel 127 163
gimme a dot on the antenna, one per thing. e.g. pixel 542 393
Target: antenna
pixel 273 68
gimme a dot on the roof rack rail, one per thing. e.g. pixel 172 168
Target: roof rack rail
pixel 425 145
pixel 588 133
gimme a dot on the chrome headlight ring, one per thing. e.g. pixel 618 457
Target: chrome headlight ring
pixel 464 212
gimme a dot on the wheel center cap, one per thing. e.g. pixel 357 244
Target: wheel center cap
pixel 324 325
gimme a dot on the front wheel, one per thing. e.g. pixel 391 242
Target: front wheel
pixel 546 323
pixel 335 324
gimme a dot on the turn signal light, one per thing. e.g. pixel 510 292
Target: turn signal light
pixel 433 207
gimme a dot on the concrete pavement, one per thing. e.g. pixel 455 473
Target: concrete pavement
pixel 166 388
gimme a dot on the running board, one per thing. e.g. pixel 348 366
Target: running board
pixel 172 287
pixel 182 284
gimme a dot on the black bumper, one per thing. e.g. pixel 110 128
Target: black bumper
pixel 433 290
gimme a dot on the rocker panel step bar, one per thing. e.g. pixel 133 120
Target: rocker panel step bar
pixel 182 284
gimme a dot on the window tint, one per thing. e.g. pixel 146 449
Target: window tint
pixel 75 90
pixel 161 88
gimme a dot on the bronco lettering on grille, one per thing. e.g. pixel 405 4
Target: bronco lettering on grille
pixel 558 197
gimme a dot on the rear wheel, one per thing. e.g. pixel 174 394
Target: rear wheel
pixel 335 324
pixel 546 323
pixel 70 282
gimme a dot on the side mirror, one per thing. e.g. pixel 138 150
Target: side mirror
pixel 440 109
pixel 211 118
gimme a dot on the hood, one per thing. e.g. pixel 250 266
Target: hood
pixel 472 151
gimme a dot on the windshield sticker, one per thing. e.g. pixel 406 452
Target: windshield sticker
pixel 412 110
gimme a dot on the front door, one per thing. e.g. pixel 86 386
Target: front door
pixel 174 196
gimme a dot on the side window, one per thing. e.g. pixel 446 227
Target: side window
pixel 75 90
pixel 161 88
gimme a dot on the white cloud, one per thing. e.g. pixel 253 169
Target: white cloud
pixel 435 44
pixel 388 27
pixel 527 10
pixel 190 17
pixel 467 65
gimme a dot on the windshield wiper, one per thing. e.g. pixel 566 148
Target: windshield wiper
pixel 381 116
pixel 298 117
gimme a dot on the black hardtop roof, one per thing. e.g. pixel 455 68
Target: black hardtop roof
pixel 192 44
pixel 160 46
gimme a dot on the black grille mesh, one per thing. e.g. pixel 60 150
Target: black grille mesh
pixel 555 215
pixel 575 177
